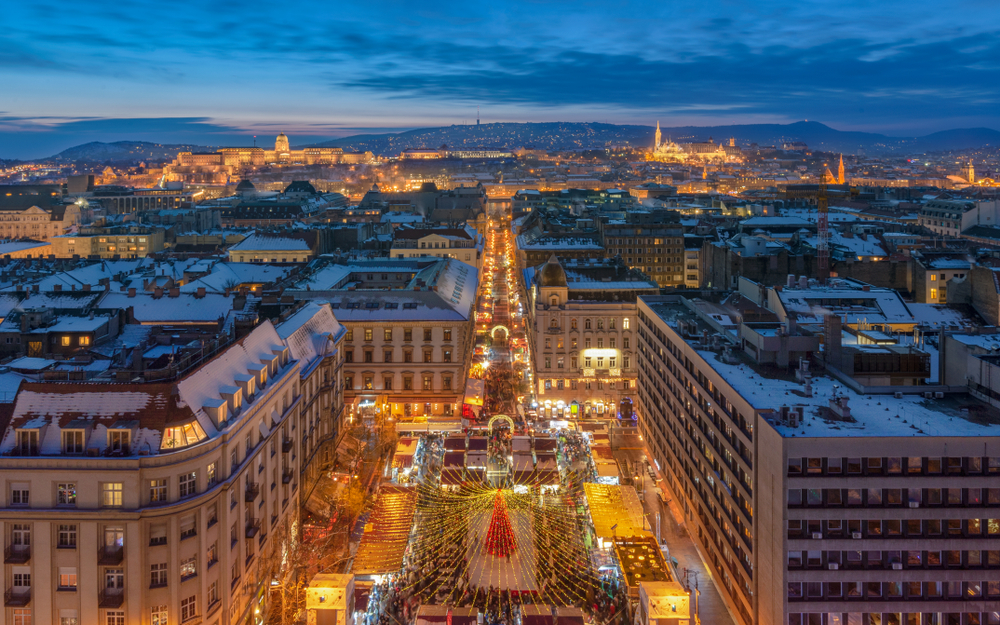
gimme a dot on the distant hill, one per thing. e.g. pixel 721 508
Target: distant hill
pixel 574 136
pixel 126 151
pixel 567 135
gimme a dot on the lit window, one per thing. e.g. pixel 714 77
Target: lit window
pixel 111 494
pixel 934 294
pixel 84 340
pixel 65 341
pixel 157 491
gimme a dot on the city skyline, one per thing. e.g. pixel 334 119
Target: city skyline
pixel 168 75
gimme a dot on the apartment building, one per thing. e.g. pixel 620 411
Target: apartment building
pixel 110 242
pixel 813 504
pixel 582 327
pixel 170 501
pixel 410 327
pixel 464 244
pixel 39 223
pixel 657 249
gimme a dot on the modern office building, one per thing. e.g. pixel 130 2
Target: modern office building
pixel 815 504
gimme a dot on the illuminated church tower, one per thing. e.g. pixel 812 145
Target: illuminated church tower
pixel 970 173
pixel 840 170
pixel 658 135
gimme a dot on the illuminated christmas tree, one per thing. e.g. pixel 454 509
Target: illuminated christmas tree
pixel 500 541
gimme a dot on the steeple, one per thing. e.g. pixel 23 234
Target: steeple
pixel 840 171
pixel 970 173
pixel 658 134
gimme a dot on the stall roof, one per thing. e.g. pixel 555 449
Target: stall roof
pixel 546 444
pixel 606 469
pixel 454 443
pixel 452 477
pixel 454 459
pixel 521 443
pixel 478 443
pixel 545 460
pixel 602 452
pixel 476 459
pixel 523 462
pixel 387 532
pixel 611 505
pixel 429 614
pixel 547 478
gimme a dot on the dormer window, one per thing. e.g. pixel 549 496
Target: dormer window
pixel 179 436
pixel 118 442
pixel 72 441
pixel 27 442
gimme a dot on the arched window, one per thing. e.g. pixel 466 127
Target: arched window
pixel 611 324
pixel 572 324
pixel 586 324
pixel 600 324
pixel 554 300
pixel 553 323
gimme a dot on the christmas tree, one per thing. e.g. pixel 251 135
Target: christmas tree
pixel 500 541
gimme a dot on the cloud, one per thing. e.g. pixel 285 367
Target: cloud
pixel 226 67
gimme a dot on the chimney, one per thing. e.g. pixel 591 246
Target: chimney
pixel 86 288
pixel 790 282
pixel 832 328
pixel 34 288
pixel 56 287
pixel 803 282
pixel 866 288
pixel 175 292
pixel 200 293
pixel 157 293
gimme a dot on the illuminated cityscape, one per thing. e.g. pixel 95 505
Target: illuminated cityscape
pixel 518 314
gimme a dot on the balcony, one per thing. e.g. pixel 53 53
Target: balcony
pixel 253 527
pixel 17 554
pixel 252 491
pixel 110 556
pixel 17 596
pixel 111 598
pixel 286 476
pixel 119 451
pixel 24 450
pixel 287 444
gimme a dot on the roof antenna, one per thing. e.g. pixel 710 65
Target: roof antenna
pixel 477 115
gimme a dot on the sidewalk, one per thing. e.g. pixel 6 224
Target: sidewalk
pixel 674 531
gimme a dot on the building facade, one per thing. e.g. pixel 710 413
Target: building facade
pixel 815 505
pixel 39 224
pixel 162 502
pixel 582 332
pixel 410 327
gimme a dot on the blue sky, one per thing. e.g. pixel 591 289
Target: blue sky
pixel 220 72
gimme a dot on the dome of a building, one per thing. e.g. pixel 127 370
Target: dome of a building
pixel 552 274
pixel 281 143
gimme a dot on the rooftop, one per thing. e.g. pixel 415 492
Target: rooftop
pixel 768 388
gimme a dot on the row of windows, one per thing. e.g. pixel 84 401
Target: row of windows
pixel 587 343
pixel 894 591
pixel 574 385
pixel 894 560
pixel 895 618
pixel 589 362
pixel 893 466
pixel 387 334
pixel 368 382
pixel 589 324
pixel 879 497
pixel 368 355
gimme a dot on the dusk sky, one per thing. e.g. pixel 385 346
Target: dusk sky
pixel 219 72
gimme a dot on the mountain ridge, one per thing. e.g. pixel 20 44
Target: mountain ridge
pixel 582 135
